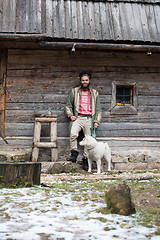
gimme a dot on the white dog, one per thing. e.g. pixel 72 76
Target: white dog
pixel 96 151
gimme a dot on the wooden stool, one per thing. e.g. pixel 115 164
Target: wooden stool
pixel 37 135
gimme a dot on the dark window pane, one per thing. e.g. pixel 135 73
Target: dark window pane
pixel 119 91
pixel 119 99
pixel 127 91
pixel 123 95
pixel 127 100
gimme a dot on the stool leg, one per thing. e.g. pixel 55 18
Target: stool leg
pixel 36 138
pixel 53 137
pixel 35 153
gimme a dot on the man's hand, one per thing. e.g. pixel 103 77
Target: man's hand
pixel 73 118
pixel 96 125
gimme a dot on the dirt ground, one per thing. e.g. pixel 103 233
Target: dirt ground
pixel 124 175
pixel 145 196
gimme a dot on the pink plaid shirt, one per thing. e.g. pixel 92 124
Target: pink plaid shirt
pixel 85 108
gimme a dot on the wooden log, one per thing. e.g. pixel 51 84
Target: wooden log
pixel 53 136
pixel 46 119
pixel 20 173
pixel 45 144
pixel 36 138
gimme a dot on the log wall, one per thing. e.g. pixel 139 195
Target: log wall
pixel 38 82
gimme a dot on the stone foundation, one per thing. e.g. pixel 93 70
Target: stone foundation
pixel 122 160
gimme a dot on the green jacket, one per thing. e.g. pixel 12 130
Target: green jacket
pixel 72 106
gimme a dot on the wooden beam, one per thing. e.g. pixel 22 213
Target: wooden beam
pixel 107 46
pixel 30 37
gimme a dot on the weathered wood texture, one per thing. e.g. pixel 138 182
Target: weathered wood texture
pixel 39 81
pixel 20 173
pixel 3 67
pixel 95 20
pixel 20 16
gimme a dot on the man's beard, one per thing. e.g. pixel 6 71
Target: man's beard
pixel 85 88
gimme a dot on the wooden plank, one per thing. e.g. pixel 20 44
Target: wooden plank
pixel 6 18
pixel 124 21
pixel 116 21
pixel 61 16
pixel 104 130
pixel 12 16
pixel 55 18
pixel 49 17
pixel 29 115
pixel 68 18
pixel 80 20
pixel 56 98
pixel 26 129
pixel 152 23
pixel 137 23
pixel 46 119
pixel 39 17
pixel 35 106
pixel 156 14
pixel 97 21
pixel 45 144
pixel 148 109
pixel 149 100
pixel 43 17
pixel 129 129
pixel 3 73
pixel 53 131
pixel 33 17
pixel 87 54
pixel 131 27
pixel 37 132
pixel 23 23
pixel 74 20
pixel 144 23
pixel 103 21
pixel 28 57
pixel 18 16
pixel 91 20
pixel 1 16
pixel 53 136
pixel 74 60
pixel 85 20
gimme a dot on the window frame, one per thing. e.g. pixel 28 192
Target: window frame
pixel 124 109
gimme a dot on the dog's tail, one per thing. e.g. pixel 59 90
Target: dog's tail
pixel 108 156
pixel 107 150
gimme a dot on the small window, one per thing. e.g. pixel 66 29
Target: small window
pixel 124 98
pixel 124 95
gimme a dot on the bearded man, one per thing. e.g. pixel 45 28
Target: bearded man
pixel 84 110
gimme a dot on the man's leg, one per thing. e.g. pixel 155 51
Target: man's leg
pixel 87 131
pixel 76 128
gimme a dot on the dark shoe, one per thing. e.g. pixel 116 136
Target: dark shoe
pixel 85 163
pixel 73 157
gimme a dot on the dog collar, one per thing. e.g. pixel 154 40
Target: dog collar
pixel 90 148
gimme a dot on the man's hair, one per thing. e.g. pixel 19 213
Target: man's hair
pixel 85 74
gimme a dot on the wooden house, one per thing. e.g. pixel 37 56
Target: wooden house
pixel 45 44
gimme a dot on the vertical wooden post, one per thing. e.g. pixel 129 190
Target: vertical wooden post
pixel 53 136
pixel 36 138
pixel 3 74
